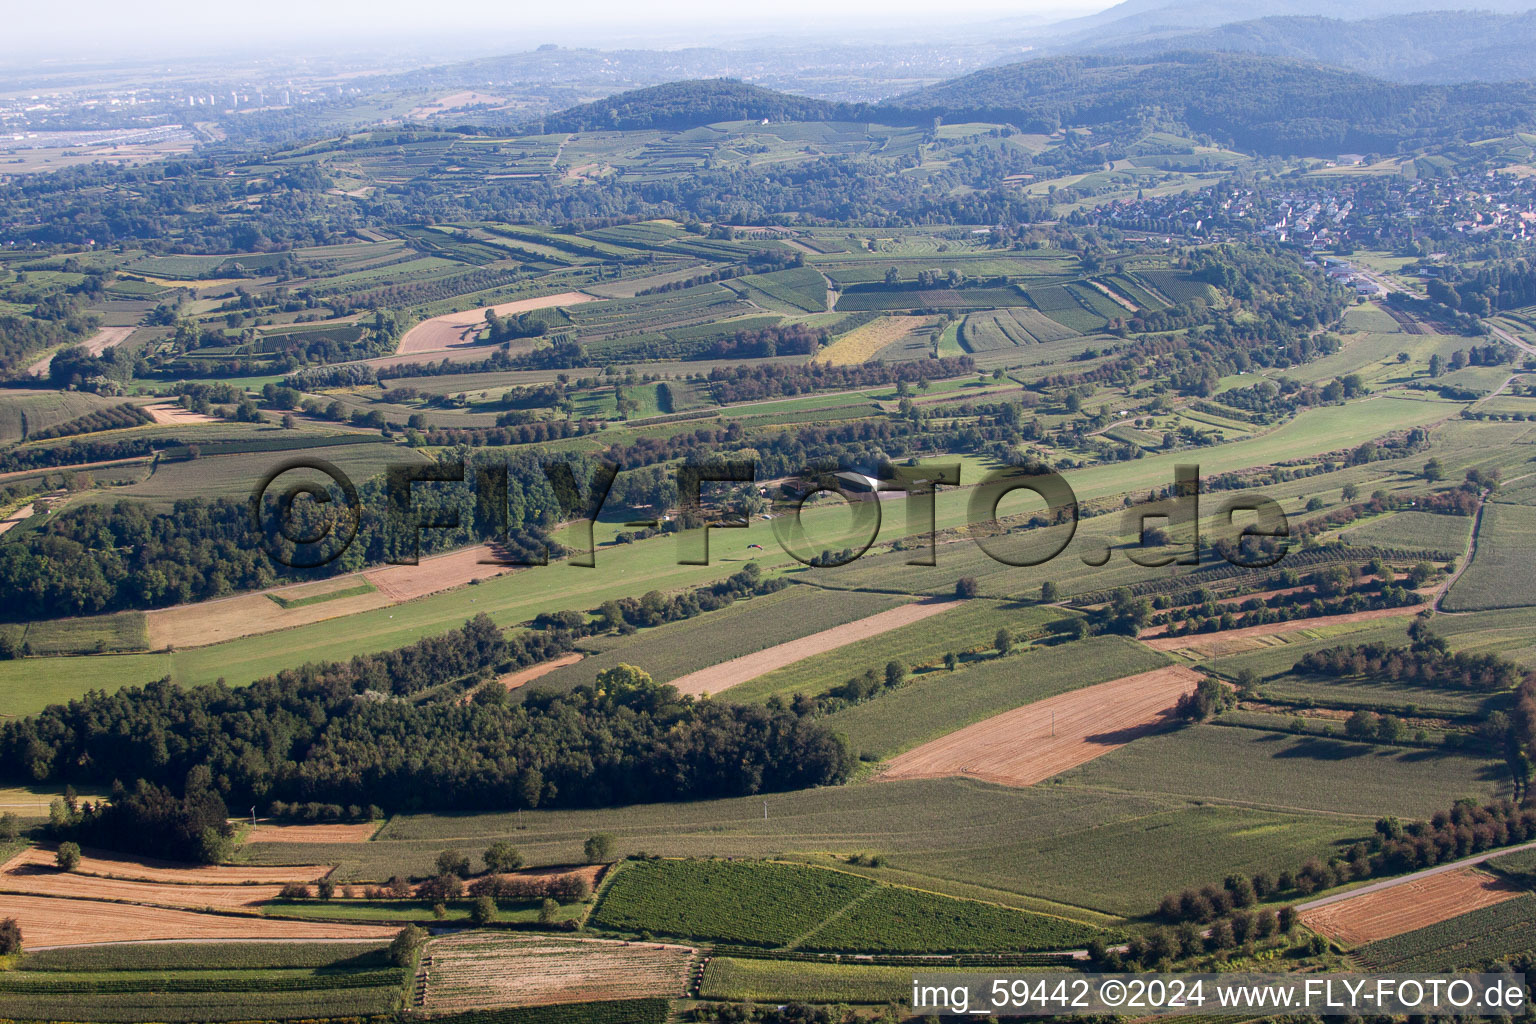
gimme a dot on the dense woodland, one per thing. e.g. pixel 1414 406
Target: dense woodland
pixel 348 733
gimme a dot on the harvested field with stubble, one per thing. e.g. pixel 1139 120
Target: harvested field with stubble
pixel 476 970
pixel 749 666
pixel 50 881
pixel 145 869
pixel 359 832
pixel 52 921
pixel 860 344
pixel 452 330
pixel 1408 907
pixel 1029 744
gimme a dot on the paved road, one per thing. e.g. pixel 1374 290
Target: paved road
pixel 1403 879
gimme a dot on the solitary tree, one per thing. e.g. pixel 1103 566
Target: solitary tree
pixel 68 856
pixel 10 827
pixel 502 857
pixel 10 937
pixel 951 660
pixel 483 910
pixel 599 848
pixel 452 862
pixel 549 910
pixel 1049 592
pixel 965 586
pixel 403 948
pixel 1003 641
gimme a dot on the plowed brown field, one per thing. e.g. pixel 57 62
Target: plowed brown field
pixel 1402 908
pixel 479 969
pixel 1028 744
pixel 47 921
pixel 750 666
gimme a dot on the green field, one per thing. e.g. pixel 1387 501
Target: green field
pixel 1412 531
pixel 1256 768
pixel 1097 849
pixel 780 981
pixel 755 904
pixel 938 703
pixel 773 904
pixel 677 648
pixel 1466 941
pixel 1500 575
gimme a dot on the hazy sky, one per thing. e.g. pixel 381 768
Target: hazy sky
pixel 36 29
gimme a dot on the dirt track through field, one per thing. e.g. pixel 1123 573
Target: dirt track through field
pixel 148 869
pixel 749 666
pixel 360 832
pixel 1231 640
pixel 50 921
pixel 1374 916
pixel 1032 743
pixel 454 330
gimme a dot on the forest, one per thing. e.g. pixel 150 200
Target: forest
pixel 345 733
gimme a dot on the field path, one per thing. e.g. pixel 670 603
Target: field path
pixel 749 666
pixel 454 330
pixel 1032 743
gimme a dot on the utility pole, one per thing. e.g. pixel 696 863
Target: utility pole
pixel 765 810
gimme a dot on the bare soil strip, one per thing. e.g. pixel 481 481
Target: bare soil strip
pixel 1382 914
pixel 453 330
pixel 1032 743
pixel 1208 644
pixel 96 344
pixel 438 573
pixel 170 413
pixel 512 680
pixel 230 618
pixel 324 833
pixel 51 921
pixel 477 970
pixel 147 869
pixel 749 666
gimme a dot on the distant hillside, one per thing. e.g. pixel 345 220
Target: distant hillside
pixel 1260 104
pixel 681 105
pixel 1136 21
pixel 1440 46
